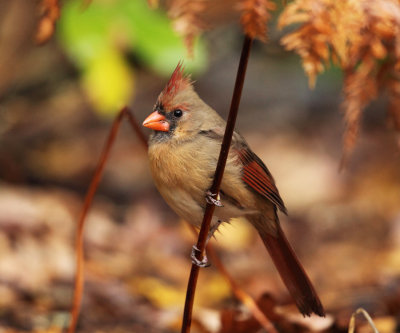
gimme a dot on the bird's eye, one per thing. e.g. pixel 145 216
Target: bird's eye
pixel 178 113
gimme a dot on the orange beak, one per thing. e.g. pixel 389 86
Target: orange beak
pixel 157 122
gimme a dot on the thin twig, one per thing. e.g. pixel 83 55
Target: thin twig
pixel 79 274
pixel 226 142
pixel 239 293
pixel 352 324
pixel 137 128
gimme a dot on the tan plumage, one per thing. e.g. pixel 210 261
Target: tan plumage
pixel 183 153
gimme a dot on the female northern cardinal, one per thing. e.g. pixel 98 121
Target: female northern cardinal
pixel 183 153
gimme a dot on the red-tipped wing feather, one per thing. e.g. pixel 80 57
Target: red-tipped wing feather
pixel 258 178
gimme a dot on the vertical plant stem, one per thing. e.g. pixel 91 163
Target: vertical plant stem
pixel 226 142
pixel 239 293
pixel 80 262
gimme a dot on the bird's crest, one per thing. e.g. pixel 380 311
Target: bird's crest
pixel 178 81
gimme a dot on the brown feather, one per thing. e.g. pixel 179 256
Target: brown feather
pixel 178 82
pixel 258 178
pixel 289 268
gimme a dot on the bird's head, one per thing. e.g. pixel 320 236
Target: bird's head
pixel 177 110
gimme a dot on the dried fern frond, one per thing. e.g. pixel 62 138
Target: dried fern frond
pixel 192 17
pixel 187 19
pixel 323 32
pixel 359 88
pixel 254 18
pixel 362 37
pixel 50 13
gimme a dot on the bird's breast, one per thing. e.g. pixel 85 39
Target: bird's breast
pixel 184 166
pixel 182 174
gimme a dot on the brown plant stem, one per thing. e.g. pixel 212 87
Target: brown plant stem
pixel 79 274
pixel 137 129
pixel 239 293
pixel 226 142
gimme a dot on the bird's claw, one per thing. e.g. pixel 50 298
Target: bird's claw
pixel 201 263
pixel 213 199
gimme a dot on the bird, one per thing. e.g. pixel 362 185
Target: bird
pixel 183 152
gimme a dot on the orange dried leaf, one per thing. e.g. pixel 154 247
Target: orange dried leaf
pixel 360 88
pixel 293 13
pixel 187 19
pixel 377 49
pixel 322 50
pixel 50 13
pixel 293 19
pixel 254 18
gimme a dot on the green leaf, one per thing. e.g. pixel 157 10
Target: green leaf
pixel 155 43
pixel 97 38
pixel 108 81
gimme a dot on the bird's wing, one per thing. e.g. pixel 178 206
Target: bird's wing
pixel 254 172
pixel 256 176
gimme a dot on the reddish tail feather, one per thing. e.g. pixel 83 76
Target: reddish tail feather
pixel 292 272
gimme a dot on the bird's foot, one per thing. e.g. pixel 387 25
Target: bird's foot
pixel 213 199
pixel 201 263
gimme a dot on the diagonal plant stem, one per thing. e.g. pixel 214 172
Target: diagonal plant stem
pixel 239 293
pixel 226 142
pixel 79 274
pixel 137 129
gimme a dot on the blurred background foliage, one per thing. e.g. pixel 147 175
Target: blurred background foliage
pixel 101 35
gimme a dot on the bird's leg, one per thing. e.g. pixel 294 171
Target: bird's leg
pixel 214 199
pixel 195 251
pixel 201 263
